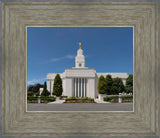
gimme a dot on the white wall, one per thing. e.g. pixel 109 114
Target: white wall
pixel 64 86
pixel 91 87
pixel 68 87
pixel 48 85
pixel 96 85
pixel 52 81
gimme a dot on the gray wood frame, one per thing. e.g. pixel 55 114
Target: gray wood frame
pixel 143 16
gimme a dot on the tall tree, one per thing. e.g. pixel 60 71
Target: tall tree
pixel 57 86
pixel 102 87
pixel 30 93
pixel 45 92
pixel 129 84
pixel 117 86
pixel 109 82
pixel 34 88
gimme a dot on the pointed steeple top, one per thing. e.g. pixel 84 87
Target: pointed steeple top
pixel 79 45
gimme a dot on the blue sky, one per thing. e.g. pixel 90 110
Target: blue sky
pixel 52 49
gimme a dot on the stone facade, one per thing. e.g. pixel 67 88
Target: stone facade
pixel 80 81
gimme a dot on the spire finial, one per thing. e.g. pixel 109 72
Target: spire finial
pixel 80 45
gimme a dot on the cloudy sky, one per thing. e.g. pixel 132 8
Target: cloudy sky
pixel 52 49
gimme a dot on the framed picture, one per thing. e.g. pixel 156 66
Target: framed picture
pixel 21 18
pixel 95 74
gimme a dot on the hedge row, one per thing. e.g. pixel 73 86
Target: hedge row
pixel 115 99
pixel 111 99
pixel 49 99
pixel 78 99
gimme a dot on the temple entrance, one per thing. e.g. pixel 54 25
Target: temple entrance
pixel 80 87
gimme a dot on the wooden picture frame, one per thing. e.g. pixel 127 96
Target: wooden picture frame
pixel 16 121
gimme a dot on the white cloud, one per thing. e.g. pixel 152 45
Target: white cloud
pixel 61 58
pixel 34 81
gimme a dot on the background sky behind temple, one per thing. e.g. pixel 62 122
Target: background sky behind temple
pixel 52 49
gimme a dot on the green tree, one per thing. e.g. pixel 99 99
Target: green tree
pixel 35 88
pixel 129 84
pixel 30 87
pixel 30 93
pixel 117 86
pixel 45 92
pixel 57 86
pixel 102 87
pixel 109 82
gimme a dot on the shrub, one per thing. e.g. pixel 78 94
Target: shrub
pixel 63 96
pixel 73 98
pixel 44 99
pixel 32 98
pixel 49 99
pixel 111 99
pixel 127 99
pixel 30 93
pixel 109 82
pixel 79 100
pixel 117 86
pixel 129 84
pixel 57 86
pixel 102 86
pixel 45 92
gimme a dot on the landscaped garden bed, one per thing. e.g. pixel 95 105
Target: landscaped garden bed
pixel 79 100
pixel 43 99
pixel 114 99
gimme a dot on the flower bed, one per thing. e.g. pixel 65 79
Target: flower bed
pixel 79 100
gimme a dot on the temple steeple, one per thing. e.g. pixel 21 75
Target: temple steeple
pixel 79 45
pixel 80 59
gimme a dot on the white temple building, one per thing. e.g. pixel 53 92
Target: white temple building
pixel 80 81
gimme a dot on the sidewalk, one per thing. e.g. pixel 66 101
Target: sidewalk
pixel 97 101
pixel 62 101
pixel 57 102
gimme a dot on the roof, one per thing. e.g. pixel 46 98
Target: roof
pixel 114 75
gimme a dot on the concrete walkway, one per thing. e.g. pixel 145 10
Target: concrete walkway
pixel 62 101
pixel 97 101
pixel 57 102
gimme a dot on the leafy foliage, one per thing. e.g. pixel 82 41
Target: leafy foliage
pixel 30 93
pixel 117 86
pixel 129 84
pixel 79 100
pixel 45 92
pixel 35 88
pixel 111 99
pixel 102 86
pixel 109 82
pixel 57 86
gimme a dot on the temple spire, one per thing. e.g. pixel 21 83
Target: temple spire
pixel 79 45
pixel 80 58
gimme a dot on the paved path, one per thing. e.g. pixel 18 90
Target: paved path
pixel 81 107
pixel 62 101
pixel 57 102
pixel 97 101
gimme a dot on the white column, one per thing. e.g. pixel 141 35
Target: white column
pixel 84 87
pixel 81 87
pixel 78 87
pixel 74 86
pixel 50 87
